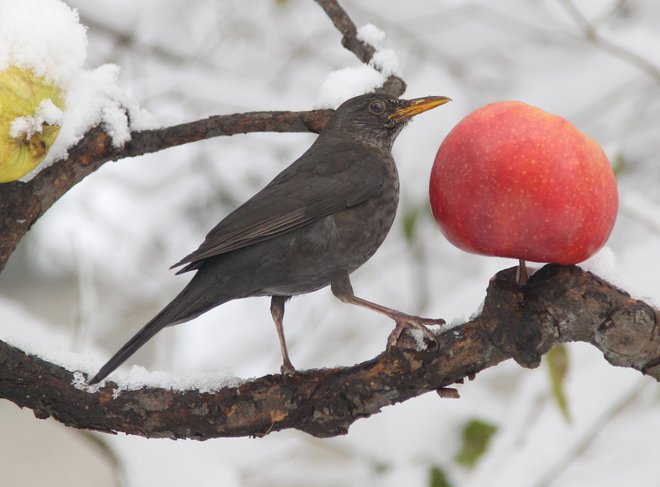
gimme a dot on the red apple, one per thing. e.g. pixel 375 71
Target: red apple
pixel 514 181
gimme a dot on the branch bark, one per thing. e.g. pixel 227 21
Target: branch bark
pixel 394 85
pixel 559 304
pixel 21 204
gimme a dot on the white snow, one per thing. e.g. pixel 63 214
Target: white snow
pixel 139 377
pixel 47 113
pixel 46 36
pixel 28 332
pixel 93 98
pixel 418 335
pixel 355 80
pixel 95 267
pixel 346 83
pixel 371 34
pixel 386 62
pixel 43 35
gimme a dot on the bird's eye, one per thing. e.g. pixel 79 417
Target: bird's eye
pixel 377 107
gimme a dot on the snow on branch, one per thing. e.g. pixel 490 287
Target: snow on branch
pixel 559 304
pixel 354 42
pixel 21 204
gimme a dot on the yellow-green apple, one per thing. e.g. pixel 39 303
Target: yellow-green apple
pixel 30 118
pixel 512 180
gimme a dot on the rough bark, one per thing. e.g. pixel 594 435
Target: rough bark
pixel 559 304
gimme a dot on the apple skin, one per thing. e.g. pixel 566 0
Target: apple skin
pixel 512 180
pixel 21 92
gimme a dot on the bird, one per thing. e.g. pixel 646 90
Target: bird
pixel 315 223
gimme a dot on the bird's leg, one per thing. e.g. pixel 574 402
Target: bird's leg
pixel 342 289
pixel 277 311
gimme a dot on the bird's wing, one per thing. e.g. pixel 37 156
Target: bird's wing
pixel 304 192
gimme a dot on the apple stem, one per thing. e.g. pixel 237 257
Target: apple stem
pixel 521 273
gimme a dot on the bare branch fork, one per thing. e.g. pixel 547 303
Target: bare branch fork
pixel 558 304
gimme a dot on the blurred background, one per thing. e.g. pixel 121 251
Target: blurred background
pixel 95 267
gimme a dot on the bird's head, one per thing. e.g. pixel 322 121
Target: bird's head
pixel 377 118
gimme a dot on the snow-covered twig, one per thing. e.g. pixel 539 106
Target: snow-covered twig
pixel 394 85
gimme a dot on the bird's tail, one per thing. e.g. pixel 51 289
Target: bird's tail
pixel 189 304
pixel 130 347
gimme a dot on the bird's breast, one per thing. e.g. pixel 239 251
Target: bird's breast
pixel 361 229
pixel 340 242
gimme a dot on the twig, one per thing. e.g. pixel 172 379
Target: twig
pixel 591 33
pixel 394 85
pixel 573 453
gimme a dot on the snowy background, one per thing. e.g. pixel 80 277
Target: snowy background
pixel 95 268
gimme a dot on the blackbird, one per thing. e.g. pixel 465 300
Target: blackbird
pixel 319 220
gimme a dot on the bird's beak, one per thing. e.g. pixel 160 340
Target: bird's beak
pixel 413 107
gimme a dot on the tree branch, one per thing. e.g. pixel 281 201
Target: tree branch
pixel 394 85
pixel 559 304
pixel 21 204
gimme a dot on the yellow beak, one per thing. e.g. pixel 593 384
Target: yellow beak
pixel 416 106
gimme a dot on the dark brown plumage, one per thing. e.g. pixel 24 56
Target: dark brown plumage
pixel 319 220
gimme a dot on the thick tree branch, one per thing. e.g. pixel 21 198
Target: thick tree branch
pixel 559 304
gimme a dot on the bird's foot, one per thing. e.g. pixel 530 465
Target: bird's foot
pixel 404 322
pixel 287 369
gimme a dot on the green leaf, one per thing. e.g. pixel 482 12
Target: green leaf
pixel 412 216
pixel 557 360
pixel 618 163
pixel 380 467
pixel 409 222
pixel 437 477
pixel 475 439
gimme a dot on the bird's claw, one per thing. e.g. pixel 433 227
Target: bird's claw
pixel 416 323
pixel 287 369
